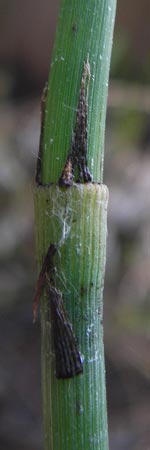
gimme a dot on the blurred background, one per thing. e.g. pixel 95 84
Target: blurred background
pixel 27 32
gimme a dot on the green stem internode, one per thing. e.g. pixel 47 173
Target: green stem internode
pixel 84 31
pixel 75 219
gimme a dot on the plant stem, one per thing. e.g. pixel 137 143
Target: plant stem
pixel 74 220
pixel 84 31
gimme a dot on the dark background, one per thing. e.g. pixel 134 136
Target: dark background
pixel 26 36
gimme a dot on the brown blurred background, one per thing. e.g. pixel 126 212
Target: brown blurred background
pixel 27 31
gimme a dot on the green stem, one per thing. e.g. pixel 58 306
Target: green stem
pixel 84 30
pixel 75 220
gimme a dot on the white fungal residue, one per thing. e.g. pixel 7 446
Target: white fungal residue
pixel 89 329
pixel 94 358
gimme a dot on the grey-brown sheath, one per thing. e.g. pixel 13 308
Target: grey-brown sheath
pixel 67 355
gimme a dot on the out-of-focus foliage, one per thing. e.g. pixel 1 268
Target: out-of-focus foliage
pixel 124 64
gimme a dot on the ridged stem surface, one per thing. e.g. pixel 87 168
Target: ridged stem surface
pixel 75 416
pixel 85 30
pixel 74 219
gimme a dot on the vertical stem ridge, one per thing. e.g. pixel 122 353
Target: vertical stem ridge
pixel 84 30
pixel 75 221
